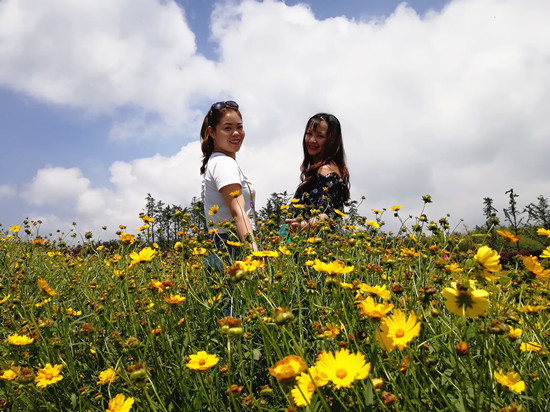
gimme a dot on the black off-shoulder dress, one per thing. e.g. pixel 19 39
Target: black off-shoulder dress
pixel 324 193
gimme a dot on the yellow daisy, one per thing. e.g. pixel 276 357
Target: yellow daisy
pixel 48 375
pixel 305 386
pixel 397 330
pixel 202 361
pixel 20 340
pixel 489 261
pixel 343 367
pixel 465 301
pixel 370 308
pixel 288 368
pixel 511 380
pixel 120 404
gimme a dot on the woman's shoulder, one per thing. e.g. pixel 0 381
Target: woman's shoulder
pixel 218 158
pixel 329 169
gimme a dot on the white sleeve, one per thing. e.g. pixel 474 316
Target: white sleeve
pixel 225 171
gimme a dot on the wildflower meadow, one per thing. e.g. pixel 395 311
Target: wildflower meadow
pixel 347 317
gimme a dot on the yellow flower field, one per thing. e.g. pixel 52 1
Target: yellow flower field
pixel 349 318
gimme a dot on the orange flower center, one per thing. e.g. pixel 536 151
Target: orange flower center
pixel 49 376
pixel 202 361
pixel 399 333
pixel 341 373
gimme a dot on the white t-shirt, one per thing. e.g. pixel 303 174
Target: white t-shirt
pixel 222 170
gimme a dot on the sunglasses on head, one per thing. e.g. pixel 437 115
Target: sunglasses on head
pixel 221 105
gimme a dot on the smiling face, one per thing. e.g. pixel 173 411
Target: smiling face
pixel 315 139
pixel 228 135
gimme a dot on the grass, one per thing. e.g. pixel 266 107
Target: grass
pixel 106 308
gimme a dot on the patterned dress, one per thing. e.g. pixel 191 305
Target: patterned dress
pixel 323 193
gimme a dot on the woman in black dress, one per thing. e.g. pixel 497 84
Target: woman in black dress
pixel 324 179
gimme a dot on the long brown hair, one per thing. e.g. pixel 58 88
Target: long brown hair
pixel 212 119
pixel 332 153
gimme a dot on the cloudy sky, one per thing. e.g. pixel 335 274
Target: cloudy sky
pixel 101 101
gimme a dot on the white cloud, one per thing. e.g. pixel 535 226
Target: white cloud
pixel 56 186
pixel 7 192
pixel 453 104
pixel 100 54
pixel 165 178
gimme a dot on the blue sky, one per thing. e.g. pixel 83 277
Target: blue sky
pixel 101 101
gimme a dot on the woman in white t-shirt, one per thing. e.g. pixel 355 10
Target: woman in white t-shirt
pixel 224 185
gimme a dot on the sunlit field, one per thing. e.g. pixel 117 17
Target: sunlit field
pixel 349 317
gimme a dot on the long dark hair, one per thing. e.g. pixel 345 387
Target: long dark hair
pixel 212 119
pixel 333 151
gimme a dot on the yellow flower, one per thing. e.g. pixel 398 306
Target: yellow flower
pixel 453 268
pixel 465 301
pixel 48 375
pixel 265 253
pixel 126 237
pixel 107 376
pixel 378 212
pixel 158 285
pixel 396 208
pixel 305 386
pixel 72 312
pixel 370 308
pixel 511 380
pixel 43 284
pixel 288 368
pixel 546 253
pixel 294 200
pixel 120 404
pixel 377 383
pixel 489 261
pixel 11 373
pixel 530 347
pixel 284 250
pixel 15 228
pixel 543 232
pixel 332 331
pixel 235 244
pixel 213 210
pixel 147 219
pixel 215 299
pixel 340 213
pixel 532 264
pixel 144 255
pixel 39 304
pixel 178 246
pixel 373 224
pixel 199 251
pixel 346 285
pixel 234 194
pixel 397 330
pixel 343 368
pixel 515 333
pixel 4 299
pixel 532 309
pixel 202 361
pixel 334 268
pixel 284 207
pixel 381 291
pixel 249 265
pixel 174 299
pixel 19 340
pixel 508 235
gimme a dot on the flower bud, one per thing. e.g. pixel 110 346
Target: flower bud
pixel 283 316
